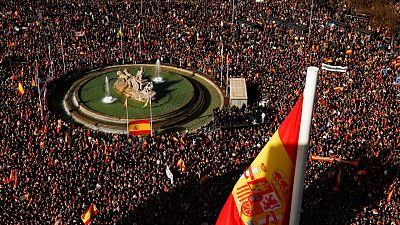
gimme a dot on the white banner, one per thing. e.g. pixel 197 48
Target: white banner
pixel 79 33
pixel 169 174
pixel 327 67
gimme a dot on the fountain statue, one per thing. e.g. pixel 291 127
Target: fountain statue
pixel 135 87
pixel 107 97
pixel 158 79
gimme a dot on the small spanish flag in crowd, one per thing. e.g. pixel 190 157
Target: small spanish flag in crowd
pixel 137 127
pixel 88 215
pixel 21 90
pixel 33 82
pixel 181 164
pixel 11 179
pixel 389 197
pixel 263 194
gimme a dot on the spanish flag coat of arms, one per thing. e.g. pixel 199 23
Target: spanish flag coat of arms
pixel 262 195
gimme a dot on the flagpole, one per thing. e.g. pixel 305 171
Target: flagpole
pixel 62 52
pixel 122 52
pixel 222 62
pixel 302 149
pixel 227 75
pixel 151 120
pixel 127 118
pixel 38 87
pixel 311 17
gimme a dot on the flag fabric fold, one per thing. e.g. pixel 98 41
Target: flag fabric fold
pixel 138 127
pixel 262 195
pixel 88 215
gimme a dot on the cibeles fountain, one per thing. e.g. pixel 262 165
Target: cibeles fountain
pixel 182 98
pixel 134 87
pixel 108 99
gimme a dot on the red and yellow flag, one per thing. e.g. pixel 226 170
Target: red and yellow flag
pixel 389 197
pixel 11 179
pixel 21 90
pixel 263 194
pixel 181 164
pixel 88 215
pixel 33 82
pixel 137 127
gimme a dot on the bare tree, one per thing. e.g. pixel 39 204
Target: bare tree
pixel 383 13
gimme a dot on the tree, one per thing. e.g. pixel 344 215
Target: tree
pixel 383 13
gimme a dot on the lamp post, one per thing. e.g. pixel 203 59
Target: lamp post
pixel 311 15
pixel 233 11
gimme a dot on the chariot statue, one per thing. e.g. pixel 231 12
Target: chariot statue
pixel 135 87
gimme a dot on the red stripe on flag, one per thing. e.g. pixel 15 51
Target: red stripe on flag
pixel 244 196
pixel 139 121
pixel 229 214
pixel 244 187
pixel 289 130
pixel 240 193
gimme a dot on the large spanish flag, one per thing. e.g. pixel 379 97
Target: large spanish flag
pixel 262 195
pixel 88 215
pixel 137 127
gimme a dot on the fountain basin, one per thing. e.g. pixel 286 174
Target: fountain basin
pixel 171 110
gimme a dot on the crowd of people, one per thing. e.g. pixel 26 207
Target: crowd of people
pixel 59 168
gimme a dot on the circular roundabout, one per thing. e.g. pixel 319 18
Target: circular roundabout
pixel 184 100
